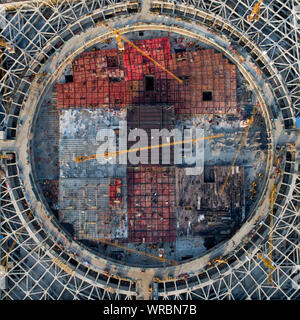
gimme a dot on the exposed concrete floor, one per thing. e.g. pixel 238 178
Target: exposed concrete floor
pixel 45 147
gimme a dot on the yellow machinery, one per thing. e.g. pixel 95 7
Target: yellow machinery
pixel 239 149
pixel 255 14
pixel 268 265
pixel 114 154
pixel 6 156
pixel 210 263
pixel 253 190
pixel 268 261
pixel 120 37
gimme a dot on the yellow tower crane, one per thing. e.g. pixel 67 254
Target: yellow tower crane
pixel 120 37
pixel 239 149
pixel 114 154
pixel 160 258
pixel 120 43
pixel 268 265
pixel 2 73
pixel 256 12
pixel 4 262
pixel 268 261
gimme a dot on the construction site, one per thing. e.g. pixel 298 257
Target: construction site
pixel 161 206
pixel 140 220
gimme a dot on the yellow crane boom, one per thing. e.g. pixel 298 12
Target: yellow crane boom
pixel 268 261
pixel 120 43
pixel 268 265
pixel 272 199
pixel 256 11
pixel 121 47
pixel 114 154
pixel 4 262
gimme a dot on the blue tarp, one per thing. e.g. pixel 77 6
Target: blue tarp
pixel 298 122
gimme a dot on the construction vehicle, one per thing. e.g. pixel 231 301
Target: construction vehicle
pixel 161 253
pixel 210 263
pixel 255 14
pixel 4 262
pixel 6 156
pixel 253 190
pixel 268 261
pixel 115 193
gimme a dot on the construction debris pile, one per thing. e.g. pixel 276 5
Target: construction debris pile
pixel 201 210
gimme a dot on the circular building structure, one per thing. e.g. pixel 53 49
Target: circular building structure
pixel 140 217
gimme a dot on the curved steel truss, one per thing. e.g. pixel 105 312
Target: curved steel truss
pixel 37 266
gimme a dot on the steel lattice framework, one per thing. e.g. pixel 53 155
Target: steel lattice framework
pixel 39 267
